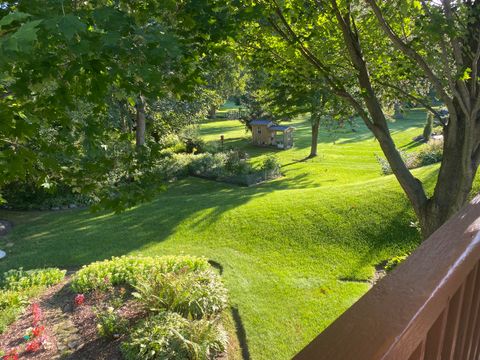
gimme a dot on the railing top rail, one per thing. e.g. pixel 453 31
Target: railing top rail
pixel 391 320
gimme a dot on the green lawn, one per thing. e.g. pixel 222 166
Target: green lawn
pixel 295 252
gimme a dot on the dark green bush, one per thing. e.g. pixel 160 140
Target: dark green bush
pixel 27 196
pixel 170 336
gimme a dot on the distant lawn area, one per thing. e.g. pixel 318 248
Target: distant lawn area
pixel 295 252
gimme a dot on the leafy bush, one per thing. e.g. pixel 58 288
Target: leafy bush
pixel 431 153
pixel 19 279
pixel 271 164
pixel 126 270
pixel 194 144
pixel 110 324
pixel 27 195
pixel 194 295
pixel 19 286
pixel 170 336
pixel 236 163
pixel 208 165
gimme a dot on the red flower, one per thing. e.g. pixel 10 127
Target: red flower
pixel 79 299
pixel 38 330
pixel 37 314
pixel 12 355
pixel 33 346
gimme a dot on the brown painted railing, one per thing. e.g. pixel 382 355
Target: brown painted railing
pixel 427 308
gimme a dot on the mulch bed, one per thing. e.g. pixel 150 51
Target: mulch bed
pixel 70 330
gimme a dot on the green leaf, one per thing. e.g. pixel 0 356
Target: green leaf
pixel 131 101
pixel 24 37
pixel 15 16
pixel 69 25
pixel 466 75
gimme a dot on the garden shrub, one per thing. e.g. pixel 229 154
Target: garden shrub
pixel 19 279
pixel 26 195
pixel 194 295
pixel 109 324
pixel 271 165
pixel 236 163
pixel 431 153
pixel 126 270
pixel 170 336
pixel 208 165
pixel 19 286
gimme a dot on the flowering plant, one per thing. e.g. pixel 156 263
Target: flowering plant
pixel 37 314
pixel 79 299
pixel 12 355
pixel 33 345
pixel 38 330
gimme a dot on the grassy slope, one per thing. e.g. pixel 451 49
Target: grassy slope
pixel 286 247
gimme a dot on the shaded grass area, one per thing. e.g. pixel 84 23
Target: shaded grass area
pixel 285 247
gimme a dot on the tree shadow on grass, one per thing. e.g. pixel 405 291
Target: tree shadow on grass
pixel 241 333
pixel 74 238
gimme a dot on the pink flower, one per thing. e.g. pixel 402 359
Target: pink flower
pixel 79 299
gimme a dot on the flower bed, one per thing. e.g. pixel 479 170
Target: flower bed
pixel 126 307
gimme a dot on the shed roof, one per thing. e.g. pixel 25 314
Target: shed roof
pixel 280 127
pixel 260 122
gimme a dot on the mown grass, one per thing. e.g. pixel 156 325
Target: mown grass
pixel 294 253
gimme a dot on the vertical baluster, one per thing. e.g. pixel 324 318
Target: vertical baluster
pixel 453 320
pixel 473 318
pixel 419 353
pixel 465 315
pixel 435 336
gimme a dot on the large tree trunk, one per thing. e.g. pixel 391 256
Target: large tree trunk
pixel 212 111
pixel 457 172
pixel 141 122
pixel 314 144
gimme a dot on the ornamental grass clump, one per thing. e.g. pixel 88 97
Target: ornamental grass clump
pixel 194 295
pixel 169 335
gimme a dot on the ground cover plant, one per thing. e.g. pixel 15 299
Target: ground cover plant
pixel 169 307
pixel 295 252
pixel 18 286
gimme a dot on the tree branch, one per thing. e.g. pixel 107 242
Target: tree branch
pixel 407 50
pixel 414 98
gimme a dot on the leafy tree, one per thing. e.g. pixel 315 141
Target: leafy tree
pixel 64 63
pixel 373 53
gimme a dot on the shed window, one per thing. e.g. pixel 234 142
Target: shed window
pixel 259 130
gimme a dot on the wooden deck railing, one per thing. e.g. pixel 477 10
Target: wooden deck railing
pixel 427 308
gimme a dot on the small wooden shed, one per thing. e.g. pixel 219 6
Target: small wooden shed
pixel 267 133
